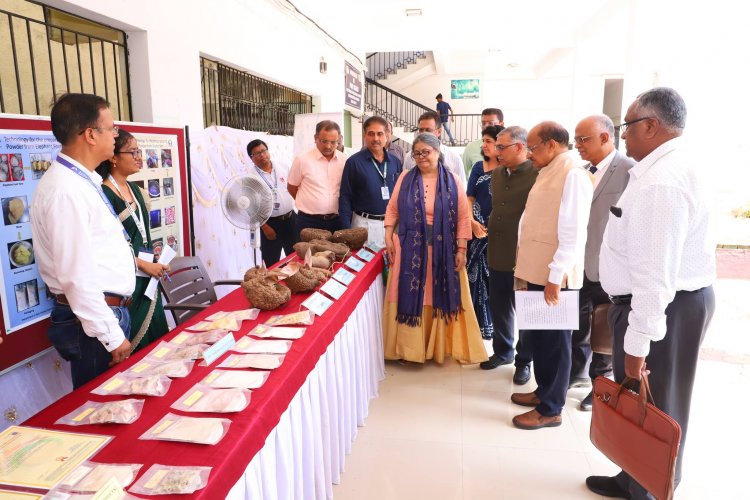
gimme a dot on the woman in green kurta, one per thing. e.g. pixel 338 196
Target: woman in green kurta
pixel 147 318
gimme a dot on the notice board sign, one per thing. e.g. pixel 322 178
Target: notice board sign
pixel 352 86
pixel 27 150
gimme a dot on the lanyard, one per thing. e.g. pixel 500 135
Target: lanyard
pixel 275 186
pixel 384 172
pixel 65 163
pixel 136 219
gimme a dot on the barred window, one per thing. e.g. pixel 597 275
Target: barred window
pixel 45 52
pixel 237 99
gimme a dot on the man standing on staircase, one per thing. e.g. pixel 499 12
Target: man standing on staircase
pixel 445 111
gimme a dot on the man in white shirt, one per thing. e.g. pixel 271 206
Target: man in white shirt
pixel 658 263
pixel 83 252
pixel 279 231
pixel 429 123
pixel 594 141
pixel 551 244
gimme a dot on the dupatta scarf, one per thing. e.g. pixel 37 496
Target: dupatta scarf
pixel 413 234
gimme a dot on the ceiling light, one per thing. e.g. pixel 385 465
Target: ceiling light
pixel 413 12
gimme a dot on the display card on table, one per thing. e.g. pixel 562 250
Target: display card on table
pixel 317 303
pixel 354 264
pixel 333 289
pixel 343 276
pixel 40 458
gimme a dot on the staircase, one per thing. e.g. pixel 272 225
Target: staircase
pixel 394 107
pixel 382 64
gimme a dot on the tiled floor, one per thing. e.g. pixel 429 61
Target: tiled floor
pixel 445 432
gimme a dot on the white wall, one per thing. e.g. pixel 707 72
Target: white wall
pixel 166 39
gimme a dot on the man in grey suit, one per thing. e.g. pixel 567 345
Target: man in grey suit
pixel 594 140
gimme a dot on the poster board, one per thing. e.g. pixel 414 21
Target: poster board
pixel 27 144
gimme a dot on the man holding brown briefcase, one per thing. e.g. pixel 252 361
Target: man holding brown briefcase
pixel 658 264
pixel 594 140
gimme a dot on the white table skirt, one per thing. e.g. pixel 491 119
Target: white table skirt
pixel 304 455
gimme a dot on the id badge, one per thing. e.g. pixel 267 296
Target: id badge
pixel 385 193
pixel 276 202
pixel 276 205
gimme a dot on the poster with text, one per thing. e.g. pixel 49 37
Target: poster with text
pixel 161 185
pixel 24 158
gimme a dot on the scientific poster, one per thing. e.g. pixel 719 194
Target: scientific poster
pixel 24 158
pixel 161 185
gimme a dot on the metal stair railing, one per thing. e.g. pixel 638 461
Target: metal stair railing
pixel 394 107
pixel 382 64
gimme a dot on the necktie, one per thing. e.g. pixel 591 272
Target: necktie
pixel 592 169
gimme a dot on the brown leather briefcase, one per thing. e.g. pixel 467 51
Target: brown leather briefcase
pixel 636 435
pixel 601 335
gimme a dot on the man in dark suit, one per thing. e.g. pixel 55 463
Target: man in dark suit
pixel 594 139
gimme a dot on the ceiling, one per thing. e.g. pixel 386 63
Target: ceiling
pixel 465 36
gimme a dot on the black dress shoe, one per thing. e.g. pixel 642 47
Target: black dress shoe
pixel 522 375
pixel 606 486
pixel 579 382
pixel 494 362
pixel 587 403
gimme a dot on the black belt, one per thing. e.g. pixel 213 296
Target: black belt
pixel 320 216
pixel 624 300
pixel 621 300
pixel 111 299
pixel 286 216
pixel 370 216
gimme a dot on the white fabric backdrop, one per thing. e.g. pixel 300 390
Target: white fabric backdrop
pixel 216 155
pixel 304 455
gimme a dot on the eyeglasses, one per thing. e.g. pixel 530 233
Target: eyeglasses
pixel 624 126
pixel 260 153
pixel 486 124
pixel 531 149
pixel 581 139
pixel 137 153
pixel 503 147
pixel 426 130
pixel 114 129
pixel 328 143
pixel 421 154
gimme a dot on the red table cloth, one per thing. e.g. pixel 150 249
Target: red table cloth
pixel 250 427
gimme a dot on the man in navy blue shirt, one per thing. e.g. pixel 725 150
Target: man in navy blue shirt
pixel 367 182
pixel 445 111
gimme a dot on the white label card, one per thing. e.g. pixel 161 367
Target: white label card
pixel 385 193
pixel 317 303
pixel 365 255
pixel 373 246
pixel 343 276
pixel 333 289
pixel 354 264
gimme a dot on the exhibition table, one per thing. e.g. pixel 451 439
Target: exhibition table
pixel 291 440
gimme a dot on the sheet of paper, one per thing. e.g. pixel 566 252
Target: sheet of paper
pixel 533 313
pixel 148 257
pixel 40 458
pixel 167 254
pixel 343 276
pixel 317 303
pixel 333 289
pixel 354 264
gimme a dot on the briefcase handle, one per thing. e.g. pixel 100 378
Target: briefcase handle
pixel 644 394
